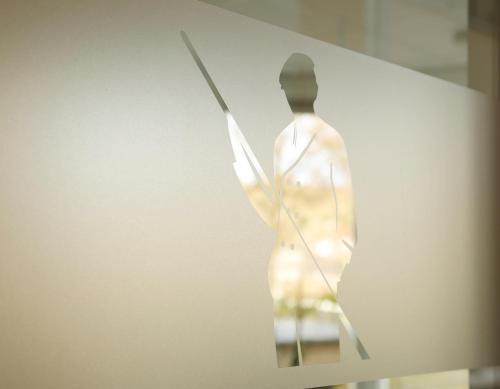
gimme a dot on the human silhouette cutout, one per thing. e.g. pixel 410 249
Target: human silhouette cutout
pixel 311 208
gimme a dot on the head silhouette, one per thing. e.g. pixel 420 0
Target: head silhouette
pixel 298 80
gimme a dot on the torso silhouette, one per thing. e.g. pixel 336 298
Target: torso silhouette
pixel 314 218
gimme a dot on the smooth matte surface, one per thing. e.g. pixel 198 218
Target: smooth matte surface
pixel 129 256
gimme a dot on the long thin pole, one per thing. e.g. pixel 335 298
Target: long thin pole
pixel 204 71
pixel 234 126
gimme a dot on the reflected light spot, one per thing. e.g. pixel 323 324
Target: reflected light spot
pixel 324 247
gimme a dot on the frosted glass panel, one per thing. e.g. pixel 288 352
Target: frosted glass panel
pixel 130 254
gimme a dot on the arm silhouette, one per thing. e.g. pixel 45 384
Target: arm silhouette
pixel 250 174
